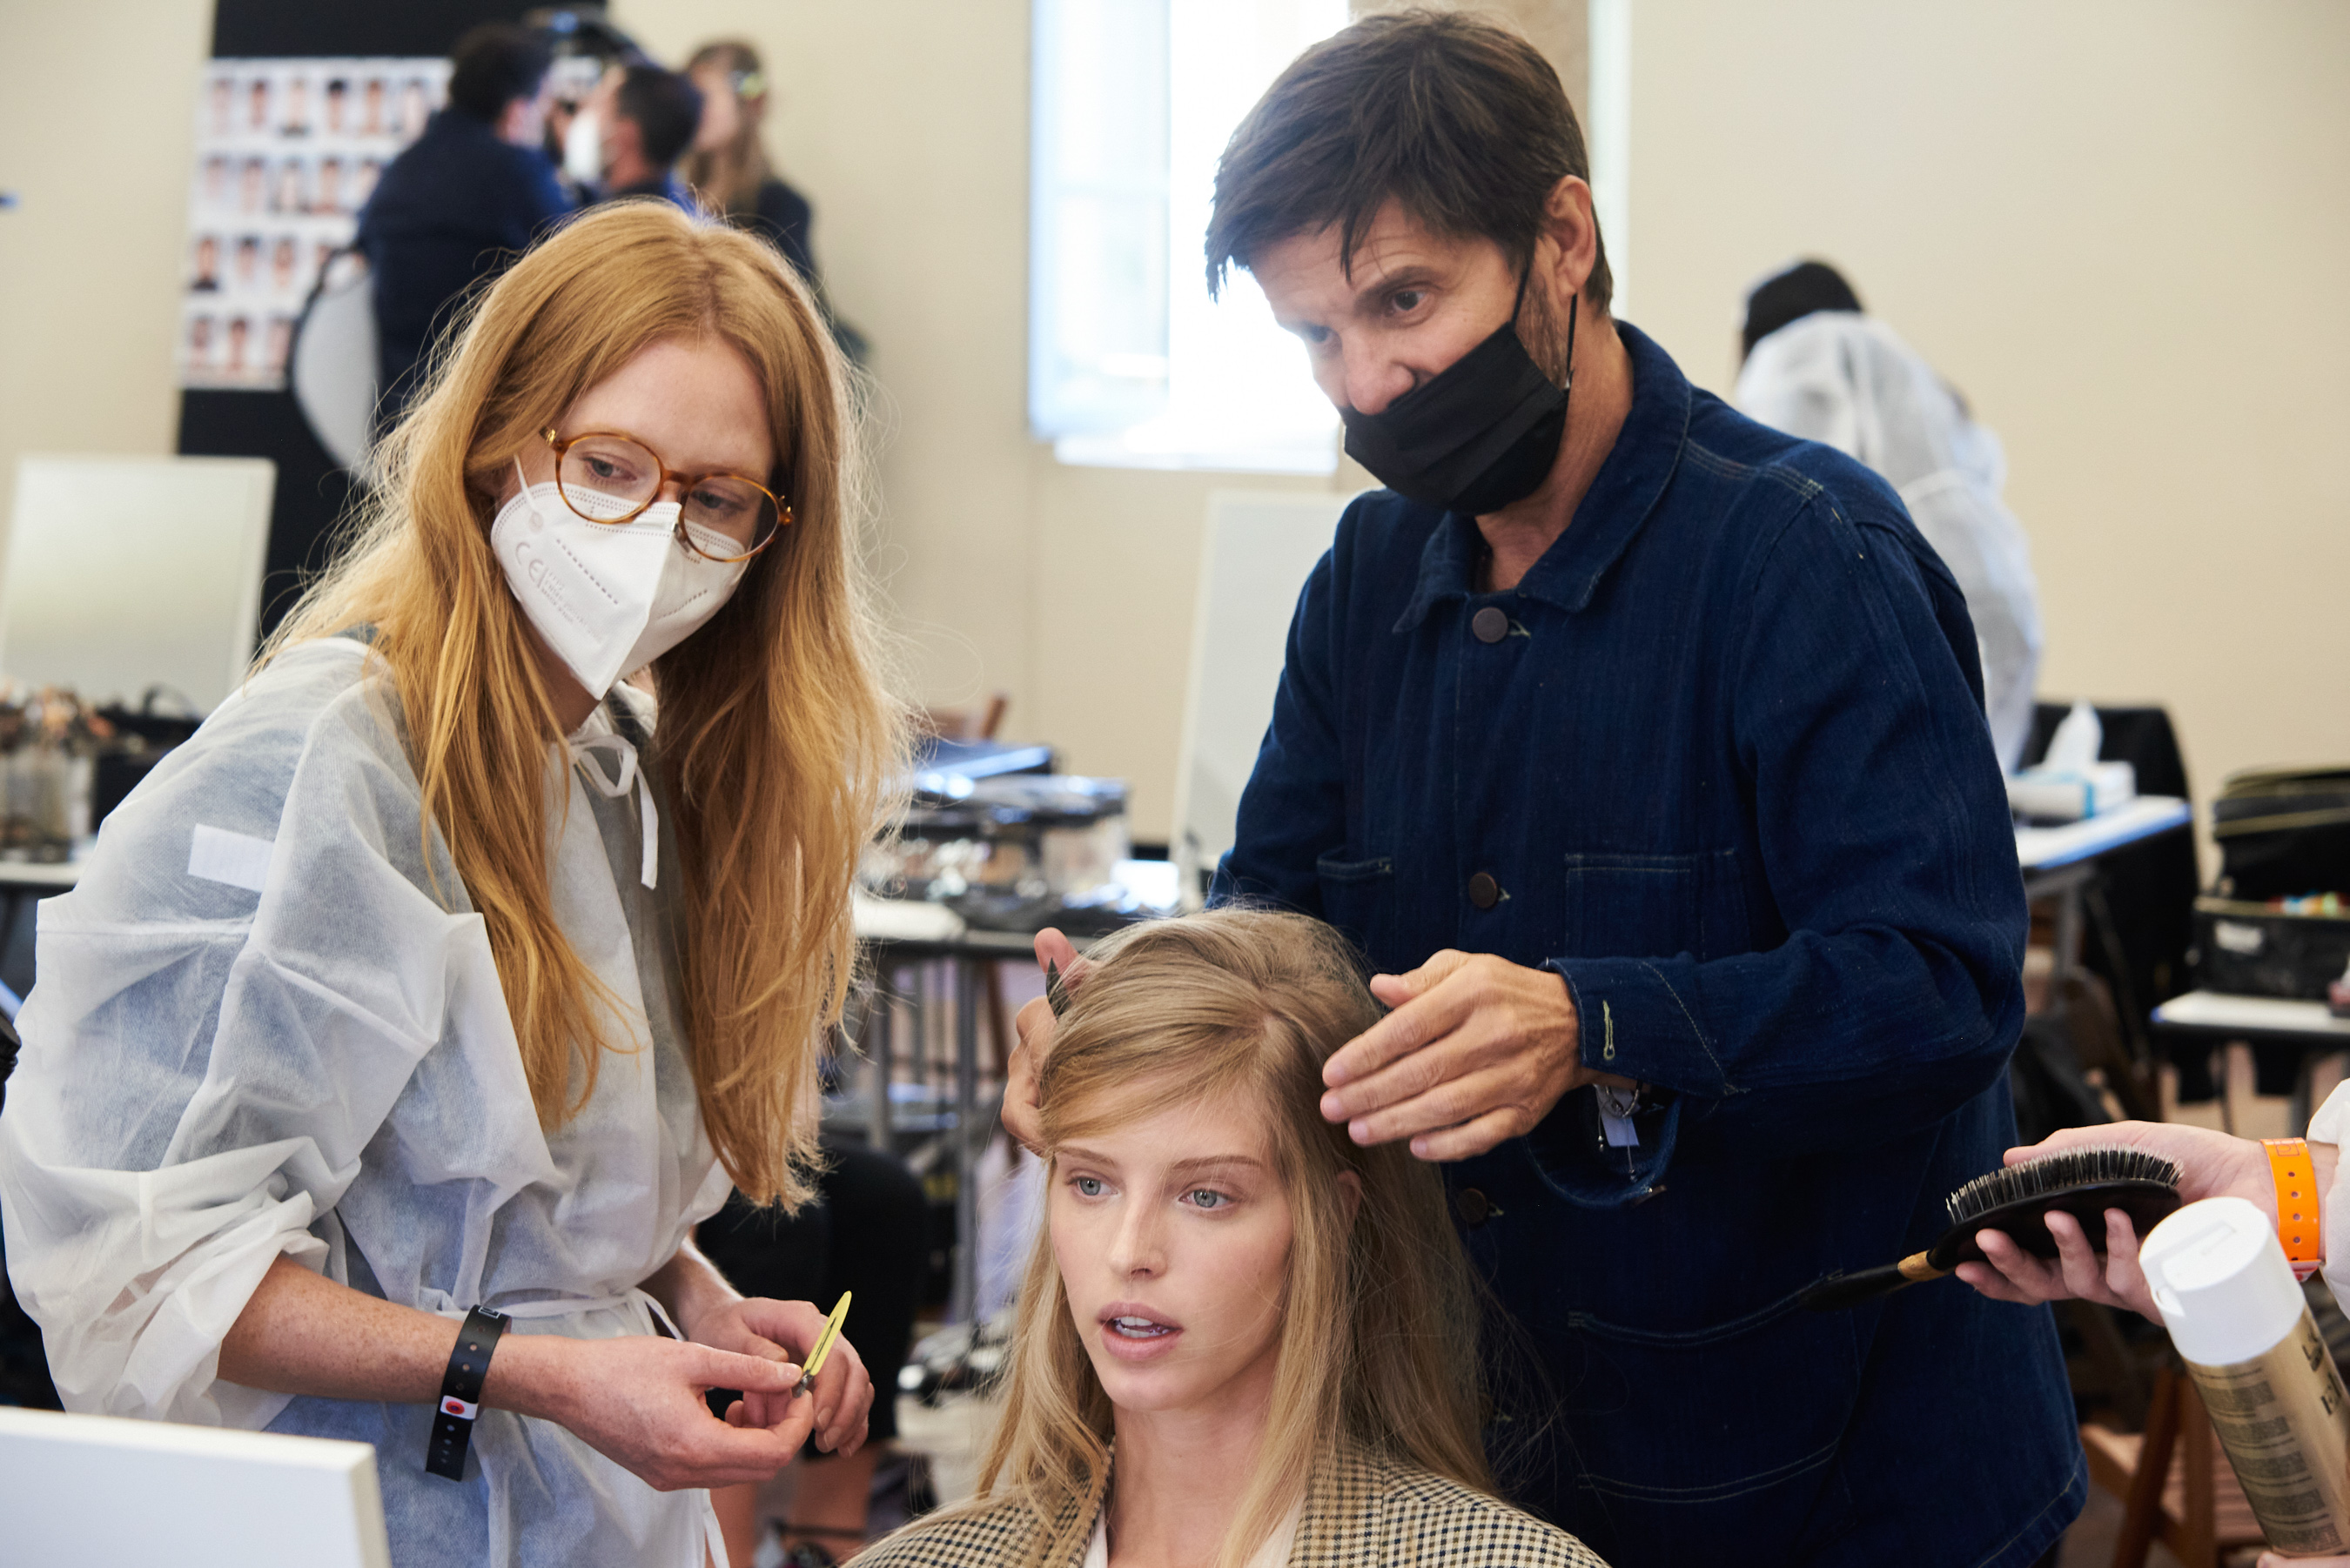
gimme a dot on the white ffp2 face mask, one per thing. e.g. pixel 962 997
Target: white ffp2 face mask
pixel 608 597
pixel 583 148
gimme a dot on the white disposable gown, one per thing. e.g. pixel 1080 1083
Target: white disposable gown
pixel 266 1025
pixel 1843 380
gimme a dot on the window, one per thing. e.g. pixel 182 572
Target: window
pixel 1131 364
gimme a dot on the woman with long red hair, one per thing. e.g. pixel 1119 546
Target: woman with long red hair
pixel 442 976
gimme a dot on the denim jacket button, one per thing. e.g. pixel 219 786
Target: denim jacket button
pixel 1483 891
pixel 1473 1206
pixel 1490 624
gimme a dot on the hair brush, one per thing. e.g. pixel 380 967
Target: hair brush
pixel 2082 1182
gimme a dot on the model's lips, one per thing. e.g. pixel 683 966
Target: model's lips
pixel 1133 1320
pixel 1132 1332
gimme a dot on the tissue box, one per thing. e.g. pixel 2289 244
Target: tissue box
pixel 2068 795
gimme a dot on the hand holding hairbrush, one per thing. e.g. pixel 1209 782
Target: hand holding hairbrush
pixel 2082 1182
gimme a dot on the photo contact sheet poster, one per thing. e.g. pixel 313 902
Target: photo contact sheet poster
pixel 288 152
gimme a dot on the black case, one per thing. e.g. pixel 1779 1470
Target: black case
pixel 2253 950
pixel 2282 833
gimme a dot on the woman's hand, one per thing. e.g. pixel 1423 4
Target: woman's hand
pixel 639 1401
pixel 785 1333
pixel 1035 1026
pixel 2212 1165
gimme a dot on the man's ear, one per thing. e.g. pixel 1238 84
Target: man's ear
pixel 1350 1193
pixel 1572 225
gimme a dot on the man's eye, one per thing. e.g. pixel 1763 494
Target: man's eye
pixel 1404 301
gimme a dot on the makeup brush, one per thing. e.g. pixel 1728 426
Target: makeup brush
pixel 2082 1182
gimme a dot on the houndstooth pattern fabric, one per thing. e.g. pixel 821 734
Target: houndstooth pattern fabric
pixel 1363 1512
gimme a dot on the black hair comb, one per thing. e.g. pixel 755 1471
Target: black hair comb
pixel 2082 1182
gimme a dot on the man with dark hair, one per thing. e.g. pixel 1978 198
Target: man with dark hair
pixel 645 119
pixel 1643 748
pixel 466 199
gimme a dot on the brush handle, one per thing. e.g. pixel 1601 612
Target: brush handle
pixel 1839 1292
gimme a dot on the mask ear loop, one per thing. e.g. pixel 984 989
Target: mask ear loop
pixel 1574 309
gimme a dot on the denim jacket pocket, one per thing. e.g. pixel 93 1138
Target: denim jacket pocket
pixel 1358 897
pixel 1781 1384
pixel 1654 906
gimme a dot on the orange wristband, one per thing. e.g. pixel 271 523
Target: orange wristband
pixel 2297 1194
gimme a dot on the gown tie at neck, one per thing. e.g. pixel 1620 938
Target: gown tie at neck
pixel 586 754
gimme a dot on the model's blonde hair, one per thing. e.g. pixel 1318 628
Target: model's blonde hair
pixel 1377 1346
pixel 777 742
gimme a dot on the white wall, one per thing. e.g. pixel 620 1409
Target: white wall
pixel 2115 224
pixel 2118 226
pixel 906 123
pixel 97 128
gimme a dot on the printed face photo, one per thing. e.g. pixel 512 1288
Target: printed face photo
pixel 329 196
pixel 207 264
pixel 411 107
pixel 252 185
pixel 200 341
pixel 371 107
pixel 281 263
pixel 224 95
pixel 240 338
pixel 281 338
pixel 215 179
pixel 363 182
pixel 257 113
pixel 339 106
pixel 289 187
pixel 298 107
pixel 248 261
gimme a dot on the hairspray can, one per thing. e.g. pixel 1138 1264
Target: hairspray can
pixel 2239 1320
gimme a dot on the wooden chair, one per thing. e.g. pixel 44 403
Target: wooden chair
pixel 2175 1483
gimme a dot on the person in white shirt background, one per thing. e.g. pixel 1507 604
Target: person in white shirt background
pixel 1816 367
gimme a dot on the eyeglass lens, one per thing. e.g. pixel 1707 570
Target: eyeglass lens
pixel 606 479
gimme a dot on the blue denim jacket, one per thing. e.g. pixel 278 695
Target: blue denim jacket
pixel 1721 762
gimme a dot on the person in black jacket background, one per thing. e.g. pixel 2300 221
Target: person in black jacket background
pixel 463 202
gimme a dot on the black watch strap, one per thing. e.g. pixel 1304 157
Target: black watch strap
pixel 461 1392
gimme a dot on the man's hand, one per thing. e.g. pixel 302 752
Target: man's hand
pixel 1477 1050
pixel 1021 1117
pixel 2212 1165
pixel 785 1332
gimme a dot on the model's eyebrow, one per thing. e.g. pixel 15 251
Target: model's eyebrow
pixel 1214 1164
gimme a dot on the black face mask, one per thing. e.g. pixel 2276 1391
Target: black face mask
pixel 1479 435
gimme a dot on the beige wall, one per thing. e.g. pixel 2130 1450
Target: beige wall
pixel 2118 226
pixel 906 123
pixel 97 128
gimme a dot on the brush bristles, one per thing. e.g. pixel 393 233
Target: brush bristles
pixel 2055 1173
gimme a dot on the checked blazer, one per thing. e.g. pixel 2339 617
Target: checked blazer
pixel 1362 1512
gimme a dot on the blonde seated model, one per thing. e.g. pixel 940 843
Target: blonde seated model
pixel 1242 1341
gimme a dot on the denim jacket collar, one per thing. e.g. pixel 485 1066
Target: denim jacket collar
pixel 1625 491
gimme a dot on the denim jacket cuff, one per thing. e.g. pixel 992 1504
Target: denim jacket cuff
pixel 1634 1023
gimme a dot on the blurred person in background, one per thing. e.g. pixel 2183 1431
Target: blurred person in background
pixel 1815 367
pixel 642 118
pixel 462 203
pixel 728 161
